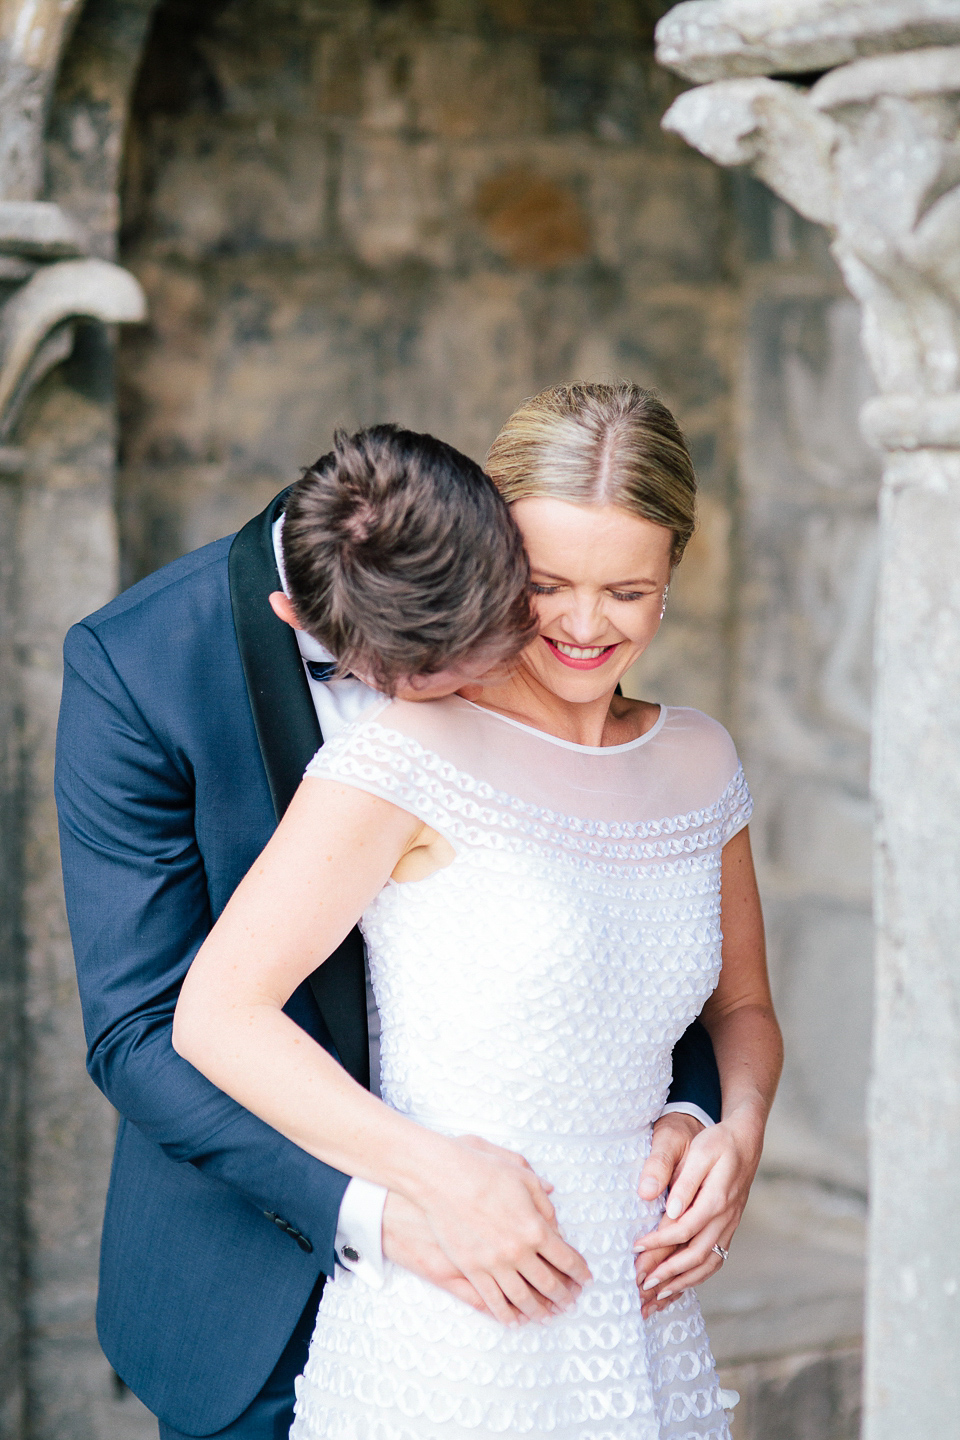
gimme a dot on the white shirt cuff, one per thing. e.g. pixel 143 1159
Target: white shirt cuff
pixel 685 1107
pixel 359 1240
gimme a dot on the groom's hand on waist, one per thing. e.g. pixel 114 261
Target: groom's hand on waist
pixel 491 1217
pixel 409 1242
pixel 490 1237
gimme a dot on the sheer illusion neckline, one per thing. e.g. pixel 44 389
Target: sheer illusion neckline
pixel 572 744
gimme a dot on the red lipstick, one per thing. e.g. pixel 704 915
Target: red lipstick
pixel 571 663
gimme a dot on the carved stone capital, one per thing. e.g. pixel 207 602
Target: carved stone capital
pixel 872 152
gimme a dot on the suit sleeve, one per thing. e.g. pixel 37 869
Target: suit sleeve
pixel 696 1078
pixel 139 910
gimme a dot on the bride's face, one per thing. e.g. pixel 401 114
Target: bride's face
pixel 600 576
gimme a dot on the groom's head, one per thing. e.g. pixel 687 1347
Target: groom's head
pixel 402 559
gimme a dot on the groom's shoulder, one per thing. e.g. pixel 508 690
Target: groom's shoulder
pixel 193 589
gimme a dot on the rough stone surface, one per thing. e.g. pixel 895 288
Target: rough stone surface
pixel 11 987
pixel 38 227
pixel 717 39
pixel 343 212
pixel 892 173
pixel 31 37
pixel 804 1397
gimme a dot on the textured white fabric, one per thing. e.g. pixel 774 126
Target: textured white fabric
pixel 531 992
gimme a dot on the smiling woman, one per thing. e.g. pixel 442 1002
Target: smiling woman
pixel 602 487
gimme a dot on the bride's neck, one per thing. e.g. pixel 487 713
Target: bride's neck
pixel 523 697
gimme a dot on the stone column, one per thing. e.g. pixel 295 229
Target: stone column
pixel 58 560
pixel 871 150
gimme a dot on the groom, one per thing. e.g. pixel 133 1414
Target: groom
pixel 190 709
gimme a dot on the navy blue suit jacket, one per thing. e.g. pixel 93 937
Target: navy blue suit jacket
pixel 185 726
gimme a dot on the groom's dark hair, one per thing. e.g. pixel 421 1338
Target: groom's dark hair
pixel 402 558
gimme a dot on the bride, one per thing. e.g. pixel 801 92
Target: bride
pixel 552 881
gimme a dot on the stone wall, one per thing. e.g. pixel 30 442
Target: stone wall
pixel 347 213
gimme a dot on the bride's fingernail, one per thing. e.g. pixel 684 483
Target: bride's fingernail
pixel 674 1209
pixel 649 1283
pixel 664 1294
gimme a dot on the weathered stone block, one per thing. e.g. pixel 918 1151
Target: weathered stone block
pixel 253 187
pixel 664 218
pixel 821 953
pixel 440 383
pixel 805 1397
pixel 532 220
pixel 393 201
pixel 667 335
pixel 336 76
pixel 462 88
pixel 699 589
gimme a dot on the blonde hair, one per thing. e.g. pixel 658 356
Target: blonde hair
pixel 593 444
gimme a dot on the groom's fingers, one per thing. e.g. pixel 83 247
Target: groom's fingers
pixel 496 1300
pixel 564 1258
pixel 559 1290
pixel 460 1286
pixel 650 1257
pixel 671 1139
pixel 660 1164
pixel 524 1298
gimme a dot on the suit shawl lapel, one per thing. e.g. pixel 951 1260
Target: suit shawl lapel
pixel 289 735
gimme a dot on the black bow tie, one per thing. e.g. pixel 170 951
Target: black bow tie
pixel 322 669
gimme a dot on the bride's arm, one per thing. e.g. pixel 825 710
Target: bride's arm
pixel 711 1185
pixel 330 856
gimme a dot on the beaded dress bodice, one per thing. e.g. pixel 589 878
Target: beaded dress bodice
pixel 531 992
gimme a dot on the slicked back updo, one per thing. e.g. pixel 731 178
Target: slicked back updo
pixel 402 558
pixel 593 444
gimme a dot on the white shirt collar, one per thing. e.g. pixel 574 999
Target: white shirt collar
pixel 310 649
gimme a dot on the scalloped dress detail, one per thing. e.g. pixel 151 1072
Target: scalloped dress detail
pixel 531 992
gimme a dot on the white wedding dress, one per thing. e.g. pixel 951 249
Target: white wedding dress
pixel 531 992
